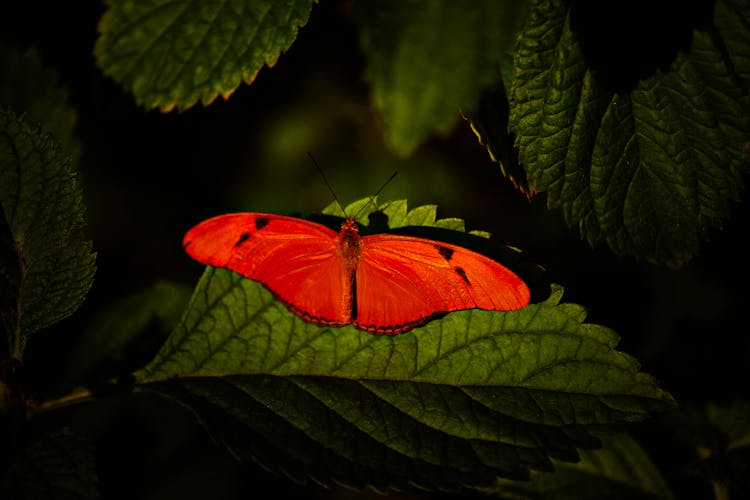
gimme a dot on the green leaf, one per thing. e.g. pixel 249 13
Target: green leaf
pixel 53 465
pixel 126 334
pixel 28 87
pixel 621 469
pixel 397 213
pixel 52 266
pixel 176 53
pixel 427 59
pixel 456 403
pixel 649 171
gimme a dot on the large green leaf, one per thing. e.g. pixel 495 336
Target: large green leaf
pixel 49 267
pixel 647 170
pixel 177 53
pixel 427 59
pixel 458 402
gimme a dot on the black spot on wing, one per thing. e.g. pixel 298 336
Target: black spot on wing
pixel 261 222
pixel 243 238
pixel 460 271
pixel 446 252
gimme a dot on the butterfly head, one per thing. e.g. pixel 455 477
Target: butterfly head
pixel 349 236
pixel 349 228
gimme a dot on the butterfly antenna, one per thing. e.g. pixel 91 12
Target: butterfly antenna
pixel 393 176
pixel 328 184
pixel 372 198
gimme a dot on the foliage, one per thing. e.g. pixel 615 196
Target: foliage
pixel 488 392
pixel 648 169
pixel 642 148
pixel 49 266
pixel 176 54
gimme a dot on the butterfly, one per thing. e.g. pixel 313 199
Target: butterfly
pixel 381 283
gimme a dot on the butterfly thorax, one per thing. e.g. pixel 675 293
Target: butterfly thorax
pixel 349 243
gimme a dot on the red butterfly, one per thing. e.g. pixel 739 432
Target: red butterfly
pixel 382 283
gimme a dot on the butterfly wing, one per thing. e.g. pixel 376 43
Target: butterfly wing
pixel 403 282
pixel 294 258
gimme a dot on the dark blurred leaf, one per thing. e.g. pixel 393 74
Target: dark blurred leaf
pixel 126 335
pixel 178 53
pixel 53 465
pixel 647 170
pixel 453 404
pixel 620 470
pixel 30 88
pixel 428 59
pixel 10 277
pixel 720 436
pixel 733 420
pixel 43 207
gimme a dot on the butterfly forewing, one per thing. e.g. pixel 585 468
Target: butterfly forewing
pixel 294 258
pixel 403 282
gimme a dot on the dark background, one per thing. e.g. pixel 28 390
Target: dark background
pixel 147 177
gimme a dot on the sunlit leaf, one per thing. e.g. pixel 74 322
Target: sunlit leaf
pixel 459 402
